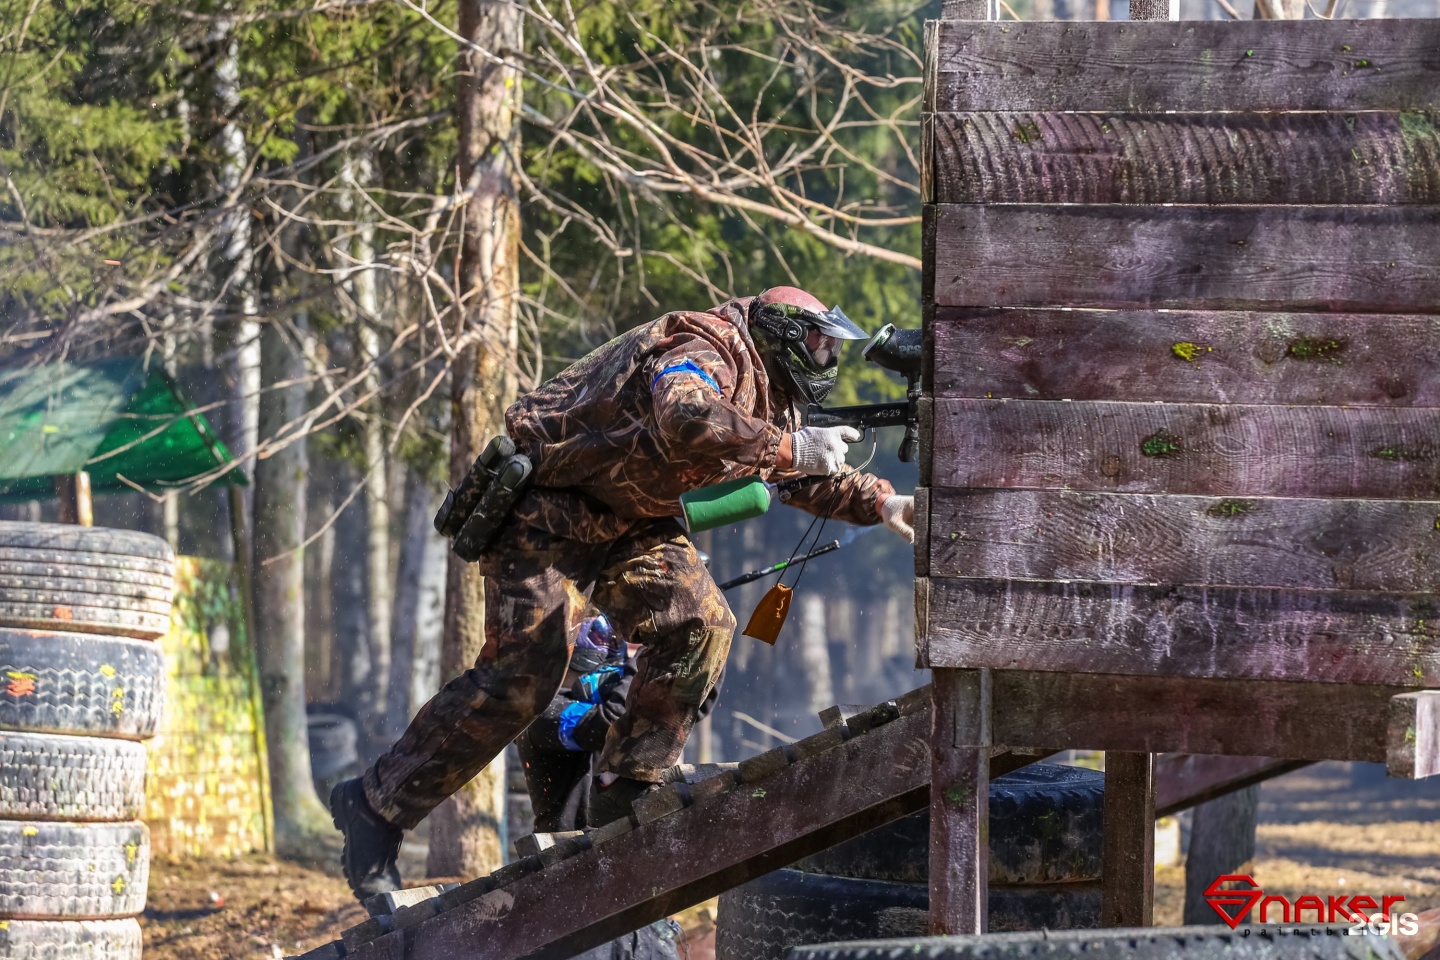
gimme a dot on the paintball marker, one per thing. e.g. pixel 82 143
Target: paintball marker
pixel 898 351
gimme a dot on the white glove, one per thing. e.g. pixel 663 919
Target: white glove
pixel 899 515
pixel 820 451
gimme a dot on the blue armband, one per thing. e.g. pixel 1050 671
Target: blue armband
pixel 571 718
pixel 687 366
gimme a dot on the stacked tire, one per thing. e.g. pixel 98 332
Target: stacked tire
pixel 81 685
pixel 1045 842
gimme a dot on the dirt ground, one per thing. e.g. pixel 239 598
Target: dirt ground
pixel 1328 829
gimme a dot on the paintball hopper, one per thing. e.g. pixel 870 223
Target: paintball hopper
pixel 898 351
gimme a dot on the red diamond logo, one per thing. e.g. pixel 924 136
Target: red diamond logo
pixel 1241 900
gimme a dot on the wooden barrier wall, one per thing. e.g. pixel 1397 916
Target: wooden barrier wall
pixel 1183 309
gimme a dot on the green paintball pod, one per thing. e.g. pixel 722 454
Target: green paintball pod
pixel 725 503
pixel 735 500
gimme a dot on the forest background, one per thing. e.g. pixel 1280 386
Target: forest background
pixel 354 229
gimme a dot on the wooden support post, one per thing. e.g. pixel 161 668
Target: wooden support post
pixel 1154 9
pixel 1412 735
pixel 970 10
pixel 959 801
pixel 73 493
pixel 1128 854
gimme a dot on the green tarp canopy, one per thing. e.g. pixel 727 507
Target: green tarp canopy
pixel 113 419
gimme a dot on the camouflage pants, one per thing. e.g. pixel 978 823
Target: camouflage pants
pixel 656 591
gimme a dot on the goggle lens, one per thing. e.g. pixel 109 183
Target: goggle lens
pixel 824 348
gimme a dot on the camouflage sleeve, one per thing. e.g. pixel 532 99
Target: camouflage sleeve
pixel 852 498
pixel 690 390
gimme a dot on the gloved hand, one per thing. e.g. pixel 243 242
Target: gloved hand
pixel 899 515
pixel 820 451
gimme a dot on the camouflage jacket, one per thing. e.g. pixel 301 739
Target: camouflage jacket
pixel 678 403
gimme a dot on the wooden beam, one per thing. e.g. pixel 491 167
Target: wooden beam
pixel 1297 721
pixel 72 494
pixel 1187 356
pixel 1185 780
pixel 1127 874
pixel 1188 257
pixel 1412 740
pixel 1226 450
pixel 960 802
pixel 1348 65
pixel 1320 636
pixel 1381 545
pixel 1294 158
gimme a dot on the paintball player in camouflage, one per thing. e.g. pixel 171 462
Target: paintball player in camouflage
pixel 691 399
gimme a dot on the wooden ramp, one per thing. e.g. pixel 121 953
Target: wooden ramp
pixel 689 842
pixel 685 844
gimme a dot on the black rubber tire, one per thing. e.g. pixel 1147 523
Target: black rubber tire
pixel 763 919
pixel 51 777
pixel 61 871
pixel 70 940
pixel 85 579
pixel 76 684
pixel 1045 827
pixel 1157 943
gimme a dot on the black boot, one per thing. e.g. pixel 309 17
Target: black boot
pixel 608 804
pixel 371 842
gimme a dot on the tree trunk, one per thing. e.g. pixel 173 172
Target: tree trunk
pixel 466 832
pixel 279 582
pixel 321 676
pixel 1222 840
pixel 419 616
pixel 348 575
pixel 815 652
pixel 377 476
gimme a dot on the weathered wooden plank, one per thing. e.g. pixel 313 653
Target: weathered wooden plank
pixel 1298 721
pixel 959 801
pixel 1137 538
pixel 1128 846
pixel 1190 65
pixel 1227 450
pixel 1372 259
pixel 1253 158
pixel 1188 356
pixel 1413 736
pixel 1183 780
pixel 1321 636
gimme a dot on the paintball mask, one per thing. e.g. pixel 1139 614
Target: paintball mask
pixel 803 339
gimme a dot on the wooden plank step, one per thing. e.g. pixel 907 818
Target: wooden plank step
pixel 1226 450
pixel 1187 356
pixel 1371 545
pixel 1371 259
pixel 1318 636
pixel 1304 158
pixel 1185 65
